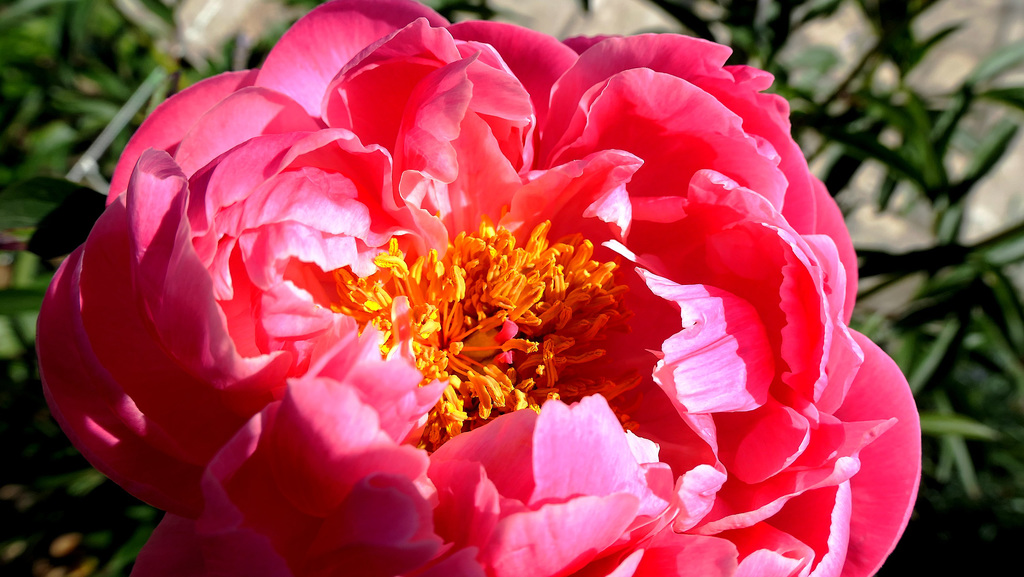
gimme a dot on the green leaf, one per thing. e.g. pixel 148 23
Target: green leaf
pixel 947 121
pixel 17 301
pixel 23 205
pixel 1005 248
pixel 1013 96
pixel 997 62
pixel 937 353
pixel 989 152
pixel 9 16
pixel 936 424
pixel 998 348
pixel 866 145
pixel 954 448
pixel 1009 307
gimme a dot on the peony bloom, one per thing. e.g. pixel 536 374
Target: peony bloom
pixel 427 299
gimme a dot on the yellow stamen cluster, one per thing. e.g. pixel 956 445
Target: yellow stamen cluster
pixel 507 327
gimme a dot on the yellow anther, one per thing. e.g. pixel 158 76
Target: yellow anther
pixel 461 308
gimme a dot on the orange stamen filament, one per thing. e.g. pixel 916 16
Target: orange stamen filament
pixel 507 327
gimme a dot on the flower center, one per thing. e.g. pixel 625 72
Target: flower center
pixel 507 327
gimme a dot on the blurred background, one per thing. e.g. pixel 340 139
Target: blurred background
pixel 909 110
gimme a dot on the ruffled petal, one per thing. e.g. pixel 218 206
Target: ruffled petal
pixel 164 128
pixel 886 487
pixel 247 113
pixel 536 59
pixel 688 556
pixel 721 360
pixel 676 128
pixel 302 64
pixel 566 441
pixel 557 538
pixel 101 418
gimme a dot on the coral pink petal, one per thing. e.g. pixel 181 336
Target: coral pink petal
pixel 680 56
pixel 767 116
pixel 755 446
pixel 688 556
pixel 439 104
pixel 564 194
pixel 380 530
pixel 176 549
pixel 505 449
pixel 371 95
pixel 768 552
pixel 462 563
pixel 167 125
pixel 820 519
pixel 721 360
pixel 677 129
pixel 536 59
pixel 249 112
pixel 885 488
pixel 172 550
pixel 138 355
pixel 580 450
pixel 177 289
pixel 325 439
pixel 580 44
pixel 302 64
pixel 399 400
pixel 468 504
pixel 829 221
pixel 557 538
pixel 102 421
pixel 243 500
pixel 695 492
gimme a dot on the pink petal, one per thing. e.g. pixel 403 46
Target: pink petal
pixel 581 450
pixel 99 416
pixel 681 56
pixel 370 96
pixel 325 440
pixel 829 221
pixel 462 563
pixel 696 490
pixel 756 445
pixel 886 487
pixel 820 519
pixel 399 399
pixel 383 528
pixel 176 549
pixel 315 48
pixel 676 128
pixel 767 116
pixel 504 447
pixel 177 289
pixel 164 128
pixel 468 503
pixel 247 113
pixel 536 59
pixel 767 552
pixel 688 556
pixel 721 360
pixel 172 550
pixel 572 194
pixel 243 500
pixel 739 505
pixel 557 538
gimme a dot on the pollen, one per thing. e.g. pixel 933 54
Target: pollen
pixel 507 327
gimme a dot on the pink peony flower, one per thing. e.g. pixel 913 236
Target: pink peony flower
pixel 428 299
